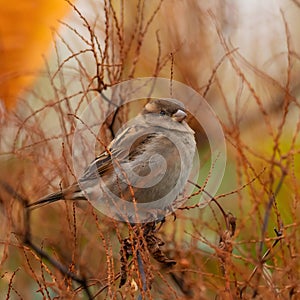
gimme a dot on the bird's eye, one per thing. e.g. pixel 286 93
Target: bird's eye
pixel 162 112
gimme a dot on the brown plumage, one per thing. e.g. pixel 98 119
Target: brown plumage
pixel 149 160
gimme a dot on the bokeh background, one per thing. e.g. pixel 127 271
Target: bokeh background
pixel 241 56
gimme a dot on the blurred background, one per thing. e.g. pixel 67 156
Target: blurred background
pixel 241 56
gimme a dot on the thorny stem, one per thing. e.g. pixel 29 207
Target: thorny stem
pixel 263 259
pixel 63 269
pixel 213 199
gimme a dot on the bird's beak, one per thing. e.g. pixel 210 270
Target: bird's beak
pixel 179 116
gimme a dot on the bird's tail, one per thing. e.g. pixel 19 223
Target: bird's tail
pixel 71 193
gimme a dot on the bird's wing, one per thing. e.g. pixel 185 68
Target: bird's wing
pixel 127 145
pixel 132 141
pixel 97 167
pixel 129 137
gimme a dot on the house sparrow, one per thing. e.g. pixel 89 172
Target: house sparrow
pixel 143 169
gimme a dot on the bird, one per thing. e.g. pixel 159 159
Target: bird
pixel 143 170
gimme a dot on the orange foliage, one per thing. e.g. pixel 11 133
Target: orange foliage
pixel 25 35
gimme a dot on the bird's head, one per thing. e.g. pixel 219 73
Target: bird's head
pixel 166 108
